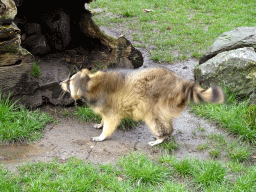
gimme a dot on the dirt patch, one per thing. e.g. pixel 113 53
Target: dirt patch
pixel 70 137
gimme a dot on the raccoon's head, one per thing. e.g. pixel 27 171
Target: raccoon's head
pixel 83 83
pixel 77 84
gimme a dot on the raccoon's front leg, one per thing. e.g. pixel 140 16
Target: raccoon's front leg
pixel 99 126
pixel 110 125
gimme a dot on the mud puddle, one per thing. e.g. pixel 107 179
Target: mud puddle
pixel 72 138
pixel 14 151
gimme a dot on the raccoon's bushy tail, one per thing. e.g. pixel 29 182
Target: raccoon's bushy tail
pixel 195 93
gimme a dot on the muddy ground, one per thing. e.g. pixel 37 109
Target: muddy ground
pixel 70 137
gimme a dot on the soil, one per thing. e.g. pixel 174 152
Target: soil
pixel 70 137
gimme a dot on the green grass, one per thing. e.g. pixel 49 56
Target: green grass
pixel 36 71
pixel 7 181
pixel 237 117
pixel 139 168
pixel 218 138
pixel 169 144
pixel 133 172
pixel 239 152
pixel 247 181
pixel 207 173
pixel 202 147
pixel 180 28
pixel 222 147
pixel 214 153
pixel 86 114
pixel 20 124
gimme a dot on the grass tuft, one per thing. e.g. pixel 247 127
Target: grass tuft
pixel 36 71
pixel 238 153
pixel 214 153
pixel 234 116
pixel 183 167
pixel 170 144
pixel 250 116
pixel 7 182
pixel 140 168
pixel 246 182
pixel 202 147
pixel 134 172
pixel 206 173
pixel 19 124
pixel 86 114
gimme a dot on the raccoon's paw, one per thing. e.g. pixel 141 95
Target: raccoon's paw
pixel 98 126
pixel 156 142
pixel 100 138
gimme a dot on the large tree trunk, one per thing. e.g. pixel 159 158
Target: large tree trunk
pixel 62 29
pixel 16 63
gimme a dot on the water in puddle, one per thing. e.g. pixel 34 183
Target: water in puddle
pixel 15 152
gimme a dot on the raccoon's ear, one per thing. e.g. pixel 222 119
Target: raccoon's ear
pixel 95 80
pixel 84 73
pixel 79 83
pixel 83 81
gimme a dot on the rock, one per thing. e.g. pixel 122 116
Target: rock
pixel 127 56
pixel 109 32
pixel 37 44
pixel 16 63
pixel 33 28
pixel 49 90
pixel 235 69
pixel 9 40
pixel 11 44
pixel 33 40
pixel 15 68
pixel 7 31
pixel 52 73
pixel 8 11
pixel 237 38
pixel 60 29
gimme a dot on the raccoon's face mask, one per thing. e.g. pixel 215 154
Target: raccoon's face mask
pixel 77 84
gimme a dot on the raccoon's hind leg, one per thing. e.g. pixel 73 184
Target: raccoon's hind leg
pixel 160 128
pixel 157 141
pixel 99 126
pixel 110 125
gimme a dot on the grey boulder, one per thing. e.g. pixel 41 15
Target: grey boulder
pixel 237 38
pixel 235 69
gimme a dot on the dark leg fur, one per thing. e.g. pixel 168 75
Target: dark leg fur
pixel 161 129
